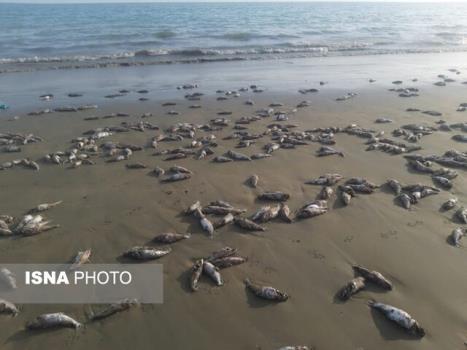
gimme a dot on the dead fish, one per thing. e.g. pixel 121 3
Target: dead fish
pixel 46 97
pixel 373 276
pixel 74 94
pixel 176 156
pixel 80 259
pixel 213 272
pixel 8 308
pixel 305 91
pixel 383 120
pixel 44 207
pixel 362 188
pixel 7 219
pixel 53 320
pixel 35 226
pixel 328 151
pixel 228 261
pixel 179 169
pixel 8 278
pixel 196 271
pixel 266 292
pixel 237 156
pixel 446 183
pixel 449 204
pixel 461 214
pixel 395 186
pixel 146 253
pixel 176 177
pixel 221 203
pixel 206 225
pixel 4 229
pixel 192 208
pixel 253 180
pixel 158 171
pixel 266 213
pixel 360 181
pixel 220 210
pixel 248 225
pixel 222 253
pixel 401 317
pixel 12 149
pixel 274 196
pixel 312 209
pixel 326 180
pixel 447 173
pixel 201 154
pixel 405 200
pixel 456 236
pixel 419 166
pixel 345 197
pixel 460 138
pixel 351 288
pixel 271 147
pixel 245 143
pixel 114 308
pixel 170 237
pixel 227 219
pixel 76 164
pixel 136 166
pixel 325 193
pixel 284 213
pixel 221 159
pixel 30 164
pixel 118 158
pixel 260 155
pixel 4 225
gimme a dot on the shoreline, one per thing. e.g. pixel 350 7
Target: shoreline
pixel 146 58
pixel 281 76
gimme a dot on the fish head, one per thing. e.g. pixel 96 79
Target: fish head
pixel 34 324
pixel 418 330
pixel 282 296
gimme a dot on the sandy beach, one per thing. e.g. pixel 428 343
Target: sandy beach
pixel 109 208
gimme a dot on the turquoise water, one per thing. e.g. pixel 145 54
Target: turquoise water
pixel 148 33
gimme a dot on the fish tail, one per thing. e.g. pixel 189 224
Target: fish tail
pixel 371 302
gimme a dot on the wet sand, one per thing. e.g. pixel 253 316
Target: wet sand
pixel 109 208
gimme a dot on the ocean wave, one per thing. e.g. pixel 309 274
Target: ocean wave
pixel 199 55
pixel 231 51
pixel 165 34
pixel 241 36
pixel 323 31
pixel 248 36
